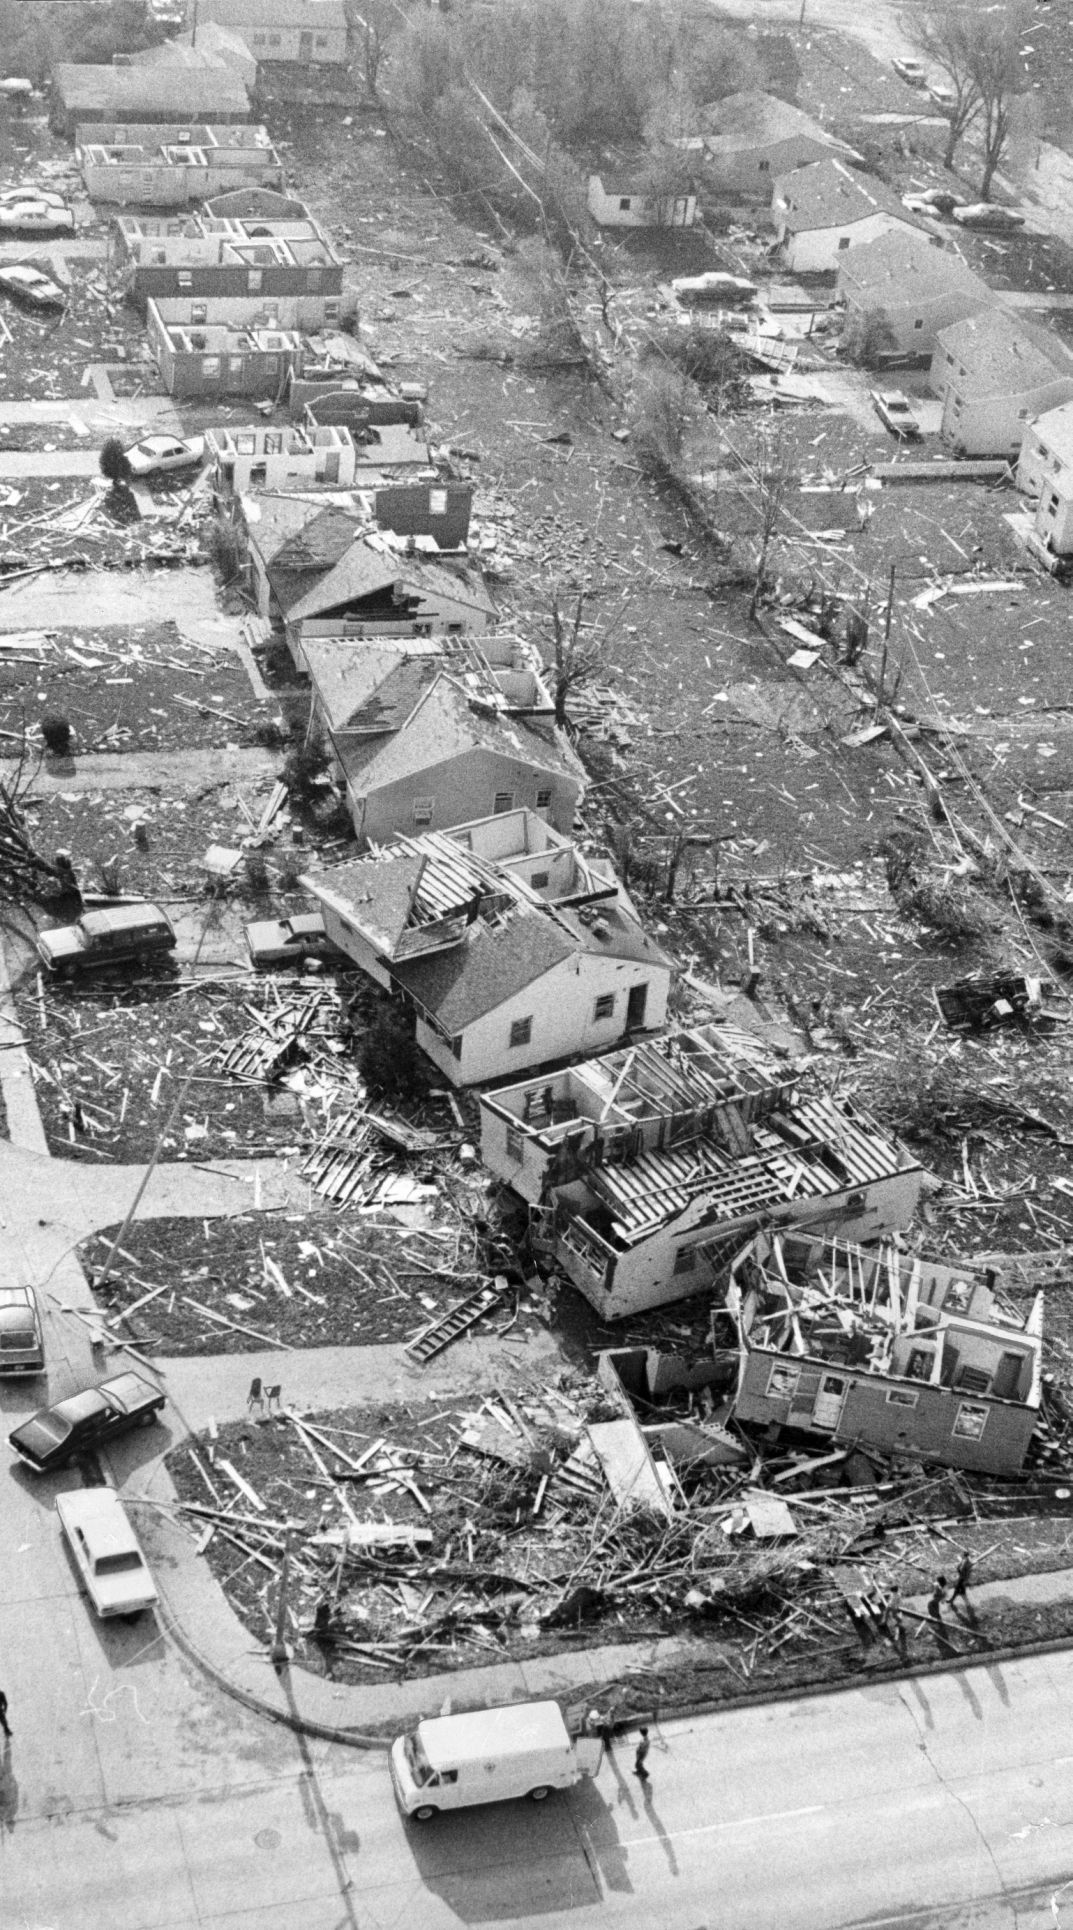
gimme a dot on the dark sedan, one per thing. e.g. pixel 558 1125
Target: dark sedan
pixel 55 1435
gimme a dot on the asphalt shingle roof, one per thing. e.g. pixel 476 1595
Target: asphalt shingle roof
pixel 446 725
pixel 740 122
pixel 828 194
pixel 904 265
pixel 1003 357
pixel 366 687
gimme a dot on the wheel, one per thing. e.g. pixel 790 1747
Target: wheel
pixel 148 1419
pixel 540 1794
pixel 426 1811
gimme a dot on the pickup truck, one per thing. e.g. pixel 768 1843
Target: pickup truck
pixel 105 1547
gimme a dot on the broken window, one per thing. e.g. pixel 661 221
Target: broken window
pixel 437 502
pixel 972 1380
pixel 423 808
pixel 605 1005
pixel 521 1031
pixel 970 1421
pixel 186 279
pixel 504 801
pixel 515 1142
pixel 900 1397
pixel 782 1382
pixel 210 365
pixel 199 311
pixel 456 1045
pixel 685 1259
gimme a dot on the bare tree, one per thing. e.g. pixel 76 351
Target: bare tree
pixel 942 30
pixel 978 51
pixel 577 651
pixel 998 71
pixel 772 478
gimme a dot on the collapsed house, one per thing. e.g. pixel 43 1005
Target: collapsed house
pixel 217 360
pixel 203 269
pixel 645 1169
pixel 511 948
pixel 884 1349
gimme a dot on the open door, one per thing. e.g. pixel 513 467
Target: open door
pixel 589 1751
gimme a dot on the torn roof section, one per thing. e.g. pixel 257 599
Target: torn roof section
pixel 449 722
pixel 372 689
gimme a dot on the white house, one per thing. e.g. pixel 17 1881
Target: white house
pixel 311 32
pixel 995 375
pixel 1045 471
pixel 259 457
pixel 502 973
pixel 645 1170
pixel 821 210
pixel 910 288
pixel 752 139
pixel 620 203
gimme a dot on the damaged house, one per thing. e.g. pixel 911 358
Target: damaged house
pixel 216 360
pixel 224 274
pixel 433 739
pixel 886 1349
pixel 171 166
pixel 325 567
pixel 511 949
pixel 752 139
pixel 645 1167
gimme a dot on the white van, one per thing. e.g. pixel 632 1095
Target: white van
pixel 488 1757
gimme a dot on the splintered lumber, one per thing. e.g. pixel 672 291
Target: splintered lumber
pixel 623 1454
pixel 375 1534
pixel 241 1484
pixel 768 1515
pixel 222 1320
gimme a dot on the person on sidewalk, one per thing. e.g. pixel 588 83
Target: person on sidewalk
pixel 3 1714
pixel 935 1601
pixel 641 1757
pixel 960 1590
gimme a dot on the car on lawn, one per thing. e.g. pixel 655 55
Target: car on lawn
pixel 160 455
pixel 289 941
pixel 115 935
pixel 33 214
pixel 932 201
pixel 913 72
pixel 941 94
pixel 109 1560
pixel 22 1347
pixel 984 214
pixel 896 413
pixel 30 287
pixel 90 1419
pixel 715 285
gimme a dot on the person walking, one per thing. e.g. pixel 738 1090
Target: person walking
pixel 962 1578
pixel 935 1601
pixel 3 1714
pixel 895 1624
pixel 641 1757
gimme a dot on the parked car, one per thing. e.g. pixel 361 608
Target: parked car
pixel 105 1547
pixel 932 201
pixel 29 191
pixel 16 87
pixel 30 287
pixel 159 455
pixel 110 937
pixel 32 214
pixel 22 1348
pixel 715 285
pixel 983 214
pixel 913 72
pixel 896 413
pixel 941 94
pixel 55 1435
pixel 289 941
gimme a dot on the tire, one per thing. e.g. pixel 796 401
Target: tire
pixel 148 1419
pixel 540 1794
pixel 425 1813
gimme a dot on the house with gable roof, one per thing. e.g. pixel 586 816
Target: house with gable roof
pixel 502 971
pixel 821 210
pixel 751 139
pixel 437 743
pixel 994 375
pixel 910 287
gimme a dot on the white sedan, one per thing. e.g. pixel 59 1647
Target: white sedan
pixel 159 455
pixel 33 214
pixel 715 285
pixel 105 1547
